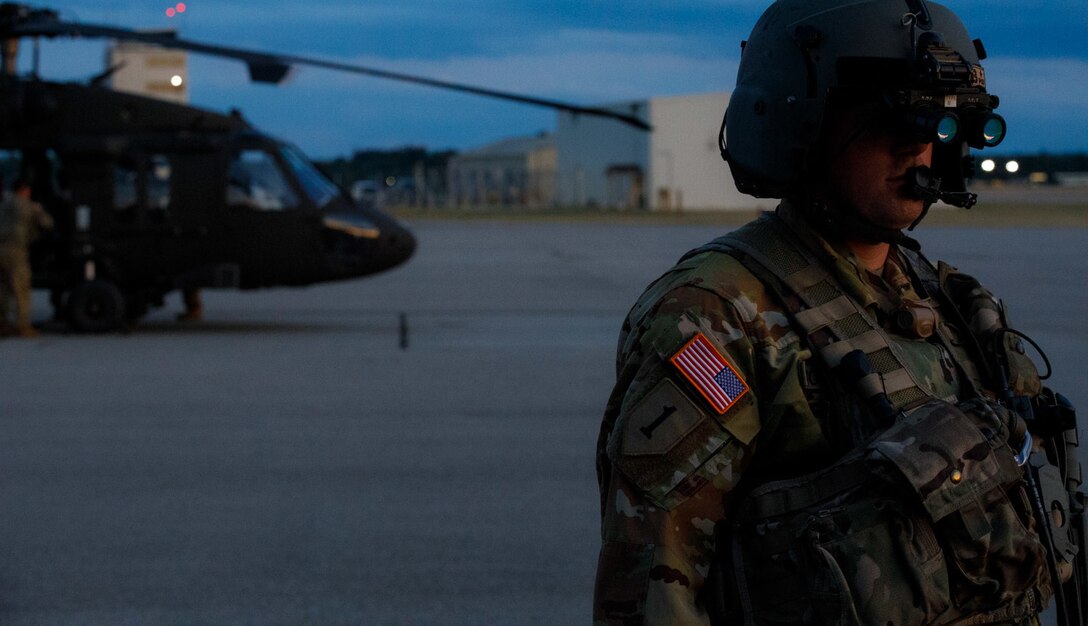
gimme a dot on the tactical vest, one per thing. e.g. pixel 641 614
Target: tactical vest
pixel 925 520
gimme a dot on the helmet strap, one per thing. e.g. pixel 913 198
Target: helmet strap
pixel 835 221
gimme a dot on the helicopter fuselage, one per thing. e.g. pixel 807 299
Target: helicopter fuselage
pixel 149 196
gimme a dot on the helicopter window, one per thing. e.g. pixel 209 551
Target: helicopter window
pixel 124 192
pixel 158 183
pixel 319 188
pixel 255 181
pixel 11 164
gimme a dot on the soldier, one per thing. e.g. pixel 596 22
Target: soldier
pixel 194 305
pixel 811 421
pixel 21 219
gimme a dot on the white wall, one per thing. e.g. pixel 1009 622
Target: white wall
pixel 146 70
pixel 685 159
pixel 587 146
pixel 681 155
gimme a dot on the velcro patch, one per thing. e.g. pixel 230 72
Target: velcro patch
pixel 659 421
pixel 711 375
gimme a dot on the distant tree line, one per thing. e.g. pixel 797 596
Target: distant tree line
pixel 379 165
pixel 416 176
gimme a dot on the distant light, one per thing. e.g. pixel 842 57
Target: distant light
pixel 988 165
pixel 1012 167
pixel 170 12
pixel 1038 177
pixel 390 181
pixel 176 80
pixel 180 7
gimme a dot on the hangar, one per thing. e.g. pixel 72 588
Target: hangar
pixel 678 166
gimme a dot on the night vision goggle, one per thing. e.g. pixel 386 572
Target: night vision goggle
pixel 942 119
pixel 947 100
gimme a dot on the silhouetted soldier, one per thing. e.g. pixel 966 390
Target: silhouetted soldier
pixel 21 220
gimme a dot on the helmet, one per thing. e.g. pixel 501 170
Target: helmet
pixel 913 57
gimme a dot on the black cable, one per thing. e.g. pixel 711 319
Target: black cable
pixel 999 334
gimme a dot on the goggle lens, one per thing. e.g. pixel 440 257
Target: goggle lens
pixel 947 129
pixel 993 131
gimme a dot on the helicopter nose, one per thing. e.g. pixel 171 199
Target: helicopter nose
pixel 361 244
pixel 394 244
pixel 398 243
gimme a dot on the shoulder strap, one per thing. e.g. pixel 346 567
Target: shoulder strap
pixel 833 322
pixel 932 281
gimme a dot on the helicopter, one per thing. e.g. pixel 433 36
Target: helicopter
pixel 149 196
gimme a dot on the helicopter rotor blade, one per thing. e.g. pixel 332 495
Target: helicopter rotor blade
pixel 481 91
pixel 273 68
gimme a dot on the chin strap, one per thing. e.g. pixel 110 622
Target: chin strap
pixel 843 223
pixel 927 187
pixel 922 185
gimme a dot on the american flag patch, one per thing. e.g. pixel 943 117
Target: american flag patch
pixel 711 374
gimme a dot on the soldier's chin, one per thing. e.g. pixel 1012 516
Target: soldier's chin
pixel 906 213
pixel 898 212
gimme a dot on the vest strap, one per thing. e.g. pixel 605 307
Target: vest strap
pixel 833 322
pixel 824 315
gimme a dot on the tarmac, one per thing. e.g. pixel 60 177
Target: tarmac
pixel 287 461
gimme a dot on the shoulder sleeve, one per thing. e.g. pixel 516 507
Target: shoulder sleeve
pixel 675 451
pixel 691 403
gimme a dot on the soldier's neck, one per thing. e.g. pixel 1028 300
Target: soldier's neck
pixel 871 255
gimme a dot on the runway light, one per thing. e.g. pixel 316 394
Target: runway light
pixel 180 7
pixel 170 12
pixel 988 165
pixel 1012 167
pixel 176 80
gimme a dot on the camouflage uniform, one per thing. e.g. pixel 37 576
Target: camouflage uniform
pixel 20 221
pixel 669 478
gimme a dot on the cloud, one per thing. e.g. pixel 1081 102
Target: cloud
pixel 585 76
pixel 595 39
pixel 584 65
pixel 1045 102
pixel 253 13
pixel 571 50
pixel 264 14
pixel 1057 80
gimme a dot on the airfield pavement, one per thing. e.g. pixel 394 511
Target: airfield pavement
pixel 286 462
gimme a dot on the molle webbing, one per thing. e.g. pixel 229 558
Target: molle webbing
pixel 833 321
pixel 785 496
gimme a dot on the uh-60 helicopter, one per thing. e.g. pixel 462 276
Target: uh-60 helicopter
pixel 149 196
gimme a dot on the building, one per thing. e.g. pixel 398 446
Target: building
pixel 515 172
pixel 678 166
pixel 148 70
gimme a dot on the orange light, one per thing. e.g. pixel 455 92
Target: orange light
pixel 180 7
pixel 170 12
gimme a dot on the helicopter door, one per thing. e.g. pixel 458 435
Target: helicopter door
pixel 153 234
pixel 275 232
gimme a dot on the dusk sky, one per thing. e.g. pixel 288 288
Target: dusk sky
pixel 587 52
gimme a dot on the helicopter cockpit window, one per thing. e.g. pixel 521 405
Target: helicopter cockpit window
pixel 125 192
pixel 319 188
pixel 255 181
pixel 158 184
pixel 11 164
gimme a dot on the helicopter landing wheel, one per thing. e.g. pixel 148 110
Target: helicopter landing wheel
pixel 96 306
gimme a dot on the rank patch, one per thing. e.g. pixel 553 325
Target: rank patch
pixel 710 373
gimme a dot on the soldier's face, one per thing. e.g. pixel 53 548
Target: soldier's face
pixel 871 173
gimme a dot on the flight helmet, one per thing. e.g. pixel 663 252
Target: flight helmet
pixel 913 58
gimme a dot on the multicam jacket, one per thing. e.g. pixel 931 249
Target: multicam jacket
pixel 673 453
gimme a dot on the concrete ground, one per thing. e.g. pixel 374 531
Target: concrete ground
pixel 286 462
